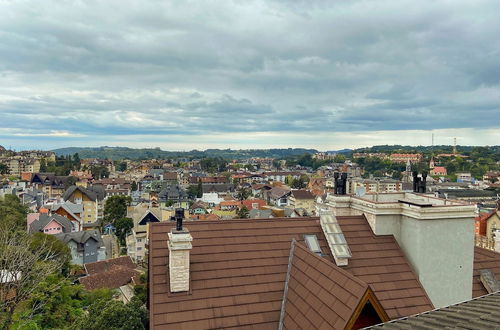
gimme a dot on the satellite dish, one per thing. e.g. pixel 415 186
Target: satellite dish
pixel 360 191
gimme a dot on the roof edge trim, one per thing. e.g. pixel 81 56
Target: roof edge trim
pixel 287 280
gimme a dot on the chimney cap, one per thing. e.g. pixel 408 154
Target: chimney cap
pixel 179 216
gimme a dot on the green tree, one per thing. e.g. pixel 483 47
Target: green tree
pixel 199 191
pixel 116 208
pixel 112 314
pixel 339 158
pixel 192 191
pixel 4 169
pixel 243 213
pixel 123 227
pixel 76 161
pixel 141 289
pixel 122 166
pixel 298 183
pixel 243 194
pixel 12 213
pixel 70 181
pixel 133 186
pixel 28 266
pixel 60 251
pixel 55 304
pixel 99 172
pixel 43 165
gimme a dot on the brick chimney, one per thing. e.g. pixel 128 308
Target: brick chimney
pixel 179 246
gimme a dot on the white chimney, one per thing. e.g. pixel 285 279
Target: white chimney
pixel 497 240
pixel 179 245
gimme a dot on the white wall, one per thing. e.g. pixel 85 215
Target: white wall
pixel 442 254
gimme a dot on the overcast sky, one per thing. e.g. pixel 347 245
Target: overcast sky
pixel 242 74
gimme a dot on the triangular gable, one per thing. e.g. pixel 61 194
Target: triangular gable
pixel 148 217
pixel 319 294
pixel 64 207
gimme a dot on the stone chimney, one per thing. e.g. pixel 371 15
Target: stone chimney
pixel 179 246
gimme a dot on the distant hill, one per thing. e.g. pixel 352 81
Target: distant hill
pixel 341 151
pixel 117 153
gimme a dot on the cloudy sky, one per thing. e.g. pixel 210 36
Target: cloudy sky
pixel 242 74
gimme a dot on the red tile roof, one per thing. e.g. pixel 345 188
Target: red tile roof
pixel 484 259
pixel 238 271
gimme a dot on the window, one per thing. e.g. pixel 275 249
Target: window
pixel 312 243
pixel 139 248
pixel 139 240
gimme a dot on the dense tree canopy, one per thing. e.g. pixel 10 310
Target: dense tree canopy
pixel 123 227
pixel 115 208
pixel 12 213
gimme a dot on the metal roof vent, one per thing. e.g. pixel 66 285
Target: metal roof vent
pixel 335 238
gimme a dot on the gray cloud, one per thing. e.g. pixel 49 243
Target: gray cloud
pixel 101 68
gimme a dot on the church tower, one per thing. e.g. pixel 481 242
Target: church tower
pixel 431 163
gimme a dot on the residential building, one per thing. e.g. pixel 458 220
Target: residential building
pixel 50 184
pixel 491 176
pixel 85 246
pixel 278 196
pixel 282 177
pixel 260 269
pixel 91 199
pixel 464 177
pixel 212 180
pixel 303 199
pixel 436 236
pixel 376 185
pixel 492 224
pixel 137 240
pixel 438 171
pixel 370 154
pixel 118 273
pixel 115 186
pixel 211 199
pixel 50 224
pixel 403 158
pixel 71 211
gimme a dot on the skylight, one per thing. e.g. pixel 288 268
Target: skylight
pixel 335 237
pixel 312 243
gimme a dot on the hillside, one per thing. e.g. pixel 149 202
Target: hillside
pixel 116 153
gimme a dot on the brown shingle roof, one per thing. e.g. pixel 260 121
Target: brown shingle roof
pixel 479 313
pixel 320 294
pixel 484 259
pixel 111 279
pixel 111 273
pixel 238 271
pixel 302 194
pixel 380 262
pixel 106 265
